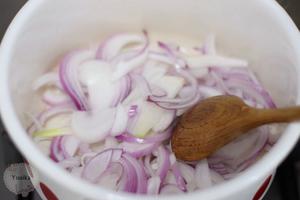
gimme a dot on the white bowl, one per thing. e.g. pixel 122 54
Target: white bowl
pixel 258 30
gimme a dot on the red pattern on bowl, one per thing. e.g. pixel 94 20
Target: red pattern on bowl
pixel 261 191
pixel 47 192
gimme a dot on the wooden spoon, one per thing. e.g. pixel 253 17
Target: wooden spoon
pixel 216 121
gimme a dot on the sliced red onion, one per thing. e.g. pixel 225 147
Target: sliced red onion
pixel 209 47
pixel 246 82
pixel 70 163
pixel 128 89
pixel 54 111
pixel 244 144
pixel 158 91
pixel 186 91
pixel 69 146
pixel 172 156
pixel 188 174
pixel 135 94
pixel 168 86
pixel 165 121
pixel 167 48
pixel 202 175
pixel 88 126
pixel 68 74
pixel 102 91
pixel 92 71
pixel 49 79
pixel 142 84
pixel 124 86
pixel 222 169
pixel 187 105
pixel 123 67
pixel 120 123
pixel 214 60
pixel 153 185
pixel 209 91
pixel 219 82
pixel 179 177
pixel 215 177
pixel 86 157
pixel 140 89
pixel 252 90
pixel 99 163
pixel 274 134
pixel 138 150
pixel 110 142
pixel 84 148
pixel 55 98
pixel 170 189
pixel 125 137
pixel 129 177
pixel 148 169
pixel 179 103
pixel 187 171
pixel 170 178
pixel 220 166
pixel 249 146
pixel 161 57
pixel 146 89
pixel 55 150
pixel 133 111
pixel 236 72
pixel 35 125
pixel 77 171
pixel 156 138
pixel 96 166
pixel 173 54
pixel 163 160
pixel 111 177
pixel 112 46
pixel 140 172
pixel 256 151
pixel 153 71
pixel 146 119
pixel 230 176
pixel 133 117
pixel 199 73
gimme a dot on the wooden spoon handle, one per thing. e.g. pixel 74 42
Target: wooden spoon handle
pixel 266 116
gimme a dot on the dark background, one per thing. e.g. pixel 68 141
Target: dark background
pixel 286 185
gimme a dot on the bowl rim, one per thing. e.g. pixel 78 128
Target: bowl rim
pixel 266 165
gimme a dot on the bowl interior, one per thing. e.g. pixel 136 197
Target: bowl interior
pixel 244 29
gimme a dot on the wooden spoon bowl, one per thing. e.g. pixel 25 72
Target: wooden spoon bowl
pixel 216 121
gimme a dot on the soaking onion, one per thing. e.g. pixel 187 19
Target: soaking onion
pixel 108 113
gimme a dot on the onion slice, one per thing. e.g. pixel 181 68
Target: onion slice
pixel 153 185
pixel 124 66
pixel 48 79
pixel 68 75
pixel 99 163
pixel 141 174
pixel 111 47
pixel 89 126
pixel 157 138
pixel 202 174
